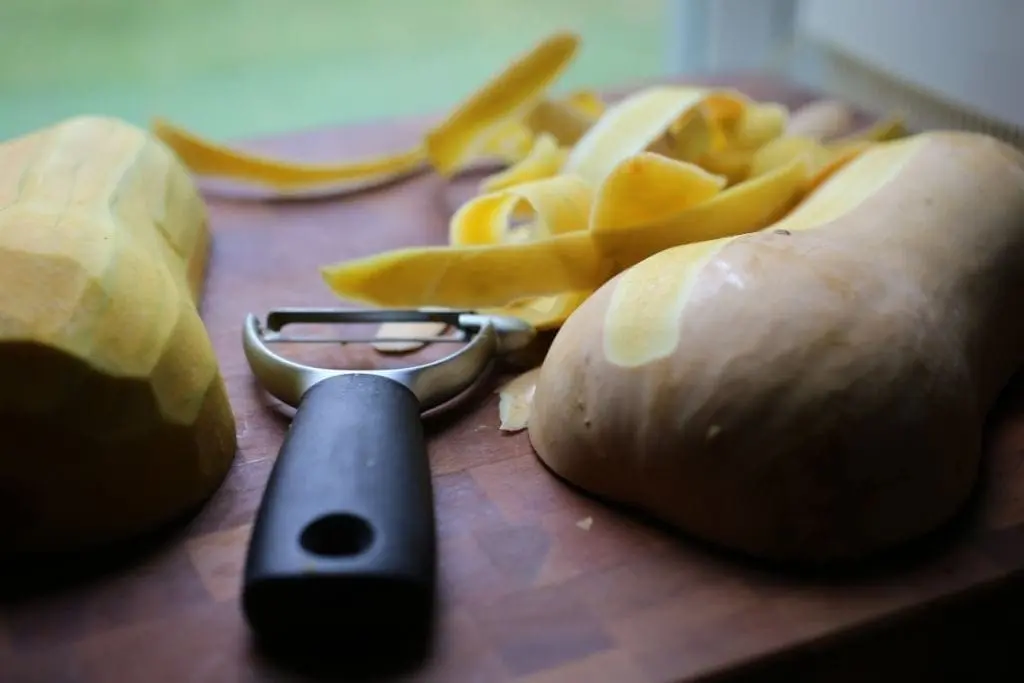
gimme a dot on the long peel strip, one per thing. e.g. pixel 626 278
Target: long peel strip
pixel 544 160
pixel 509 95
pixel 636 124
pixel 206 158
pixel 474 277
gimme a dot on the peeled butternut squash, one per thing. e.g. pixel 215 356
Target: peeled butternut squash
pixel 816 390
pixel 114 414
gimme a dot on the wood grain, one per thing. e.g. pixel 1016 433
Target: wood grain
pixel 526 593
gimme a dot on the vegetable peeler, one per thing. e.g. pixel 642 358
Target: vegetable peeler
pixel 344 534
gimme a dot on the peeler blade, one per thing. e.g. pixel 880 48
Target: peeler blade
pixel 433 383
pixel 278 318
pixel 512 333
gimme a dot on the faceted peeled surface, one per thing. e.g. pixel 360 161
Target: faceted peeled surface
pixel 115 413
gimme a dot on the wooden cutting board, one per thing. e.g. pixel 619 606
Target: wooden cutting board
pixel 537 582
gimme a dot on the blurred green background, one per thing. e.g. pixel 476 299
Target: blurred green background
pixel 241 68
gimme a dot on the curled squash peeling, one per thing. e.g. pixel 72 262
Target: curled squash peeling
pixel 587 102
pixel 589 188
pixel 210 159
pixel 537 248
pixel 821 158
pixel 566 119
pixel 561 205
pixel 512 94
pixel 742 208
pixel 509 143
pixel 760 123
pixel 552 206
pixel 544 160
pixel 487 124
pixel 487 259
pixel 473 276
pixel 736 143
pixel 646 188
pixel 646 203
pixel 631 126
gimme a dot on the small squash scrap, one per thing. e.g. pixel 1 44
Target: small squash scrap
pixel 114 413
pixel 816 390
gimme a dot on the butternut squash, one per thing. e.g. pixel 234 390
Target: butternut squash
pixel 114 414
pixel 814 391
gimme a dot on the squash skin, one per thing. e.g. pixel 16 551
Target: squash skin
pixel 115 416
pixel 826 397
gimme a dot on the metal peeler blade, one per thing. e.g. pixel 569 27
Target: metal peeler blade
pixel 433 383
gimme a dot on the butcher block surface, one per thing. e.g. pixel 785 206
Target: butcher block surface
pixel 537 582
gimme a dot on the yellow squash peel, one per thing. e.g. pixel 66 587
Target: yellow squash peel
pixel 206 158
pixel 544 159
pixel 473 276
pixel 488 124
pixel 512 94
pixel 589 188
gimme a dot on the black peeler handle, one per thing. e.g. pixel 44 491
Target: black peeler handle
pixel 344 542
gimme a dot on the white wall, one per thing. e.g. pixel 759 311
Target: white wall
pixel 730 35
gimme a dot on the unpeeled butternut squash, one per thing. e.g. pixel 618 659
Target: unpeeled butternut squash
pixel 816 390
pixel 113 411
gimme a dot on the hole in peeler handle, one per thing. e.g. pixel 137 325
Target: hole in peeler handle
pixel 339 534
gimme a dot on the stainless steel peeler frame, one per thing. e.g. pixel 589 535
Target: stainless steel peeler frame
pixel 433 383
